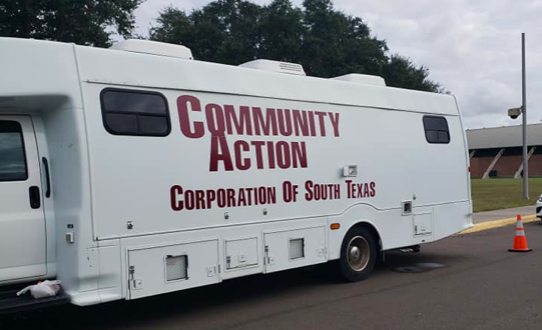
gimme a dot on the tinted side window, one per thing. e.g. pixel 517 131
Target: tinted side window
pixel 130 112
pixel 436 129
pixel 12 157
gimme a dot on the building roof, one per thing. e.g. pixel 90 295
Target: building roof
pixel 503 137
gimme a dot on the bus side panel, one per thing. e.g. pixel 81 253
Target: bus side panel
pixel 133 176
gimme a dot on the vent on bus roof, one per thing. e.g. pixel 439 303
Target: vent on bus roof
pixel 362 79
pixel 154 48
pixel 275 66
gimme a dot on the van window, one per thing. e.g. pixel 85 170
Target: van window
pixel 12 157
pixel 131 112
pixel 436 129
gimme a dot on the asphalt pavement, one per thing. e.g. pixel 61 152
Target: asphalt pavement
pixel 481 286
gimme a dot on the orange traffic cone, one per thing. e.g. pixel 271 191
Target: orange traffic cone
pixel 520 241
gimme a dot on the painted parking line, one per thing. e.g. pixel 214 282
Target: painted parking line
pixel 497 223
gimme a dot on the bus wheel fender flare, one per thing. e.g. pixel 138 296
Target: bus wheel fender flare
pixel 372 227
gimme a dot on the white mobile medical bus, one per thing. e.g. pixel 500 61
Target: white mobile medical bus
pixel 135 171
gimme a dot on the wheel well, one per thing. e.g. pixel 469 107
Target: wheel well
pixel 372 230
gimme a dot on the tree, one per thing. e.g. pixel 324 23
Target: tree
pixel 85 22
pixel 281 32
pixel 401 72
pixel 327 42
pixel 175 27
pixel 338 44
pixel 224 31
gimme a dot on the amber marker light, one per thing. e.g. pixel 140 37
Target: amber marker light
pixel 335 226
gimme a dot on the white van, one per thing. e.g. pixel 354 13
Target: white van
pixel 135 171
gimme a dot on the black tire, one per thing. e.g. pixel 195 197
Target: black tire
pixel 361 246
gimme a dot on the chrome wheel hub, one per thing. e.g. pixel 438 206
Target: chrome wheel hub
pixel 358 253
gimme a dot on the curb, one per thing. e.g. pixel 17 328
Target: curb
pixel 496 224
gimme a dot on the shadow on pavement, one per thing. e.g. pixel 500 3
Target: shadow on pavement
pixel 198 302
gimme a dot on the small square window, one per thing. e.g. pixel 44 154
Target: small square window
pixel 431 136
pixel 436 129
pixel 153 125
pixel 121 123
pixel 12 153
pixel 134 112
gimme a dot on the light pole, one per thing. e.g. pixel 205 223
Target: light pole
pixel 515 112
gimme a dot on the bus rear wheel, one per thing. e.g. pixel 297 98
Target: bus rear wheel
pixel 358 254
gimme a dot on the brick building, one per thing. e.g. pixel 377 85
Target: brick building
pixel 497 151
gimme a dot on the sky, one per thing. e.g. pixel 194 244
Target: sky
pixel 473 48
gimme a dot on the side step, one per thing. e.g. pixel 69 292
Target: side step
pixel 11 303
pixel 410 249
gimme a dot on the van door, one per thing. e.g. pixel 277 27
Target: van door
pixel 22 221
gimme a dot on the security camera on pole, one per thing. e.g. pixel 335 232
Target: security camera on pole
pixel 514 113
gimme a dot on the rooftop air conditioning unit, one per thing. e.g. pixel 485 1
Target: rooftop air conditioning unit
pixel 154 48
pixel 362 79
pixel 275 66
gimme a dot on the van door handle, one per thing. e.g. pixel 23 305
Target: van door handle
pixel 34 194
pixel 47 177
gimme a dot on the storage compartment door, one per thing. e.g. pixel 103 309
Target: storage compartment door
pixel 295 248
pixel 241 253
pixel 423 223
pixel 155 270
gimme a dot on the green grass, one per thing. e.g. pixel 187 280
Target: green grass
pixel 494 194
